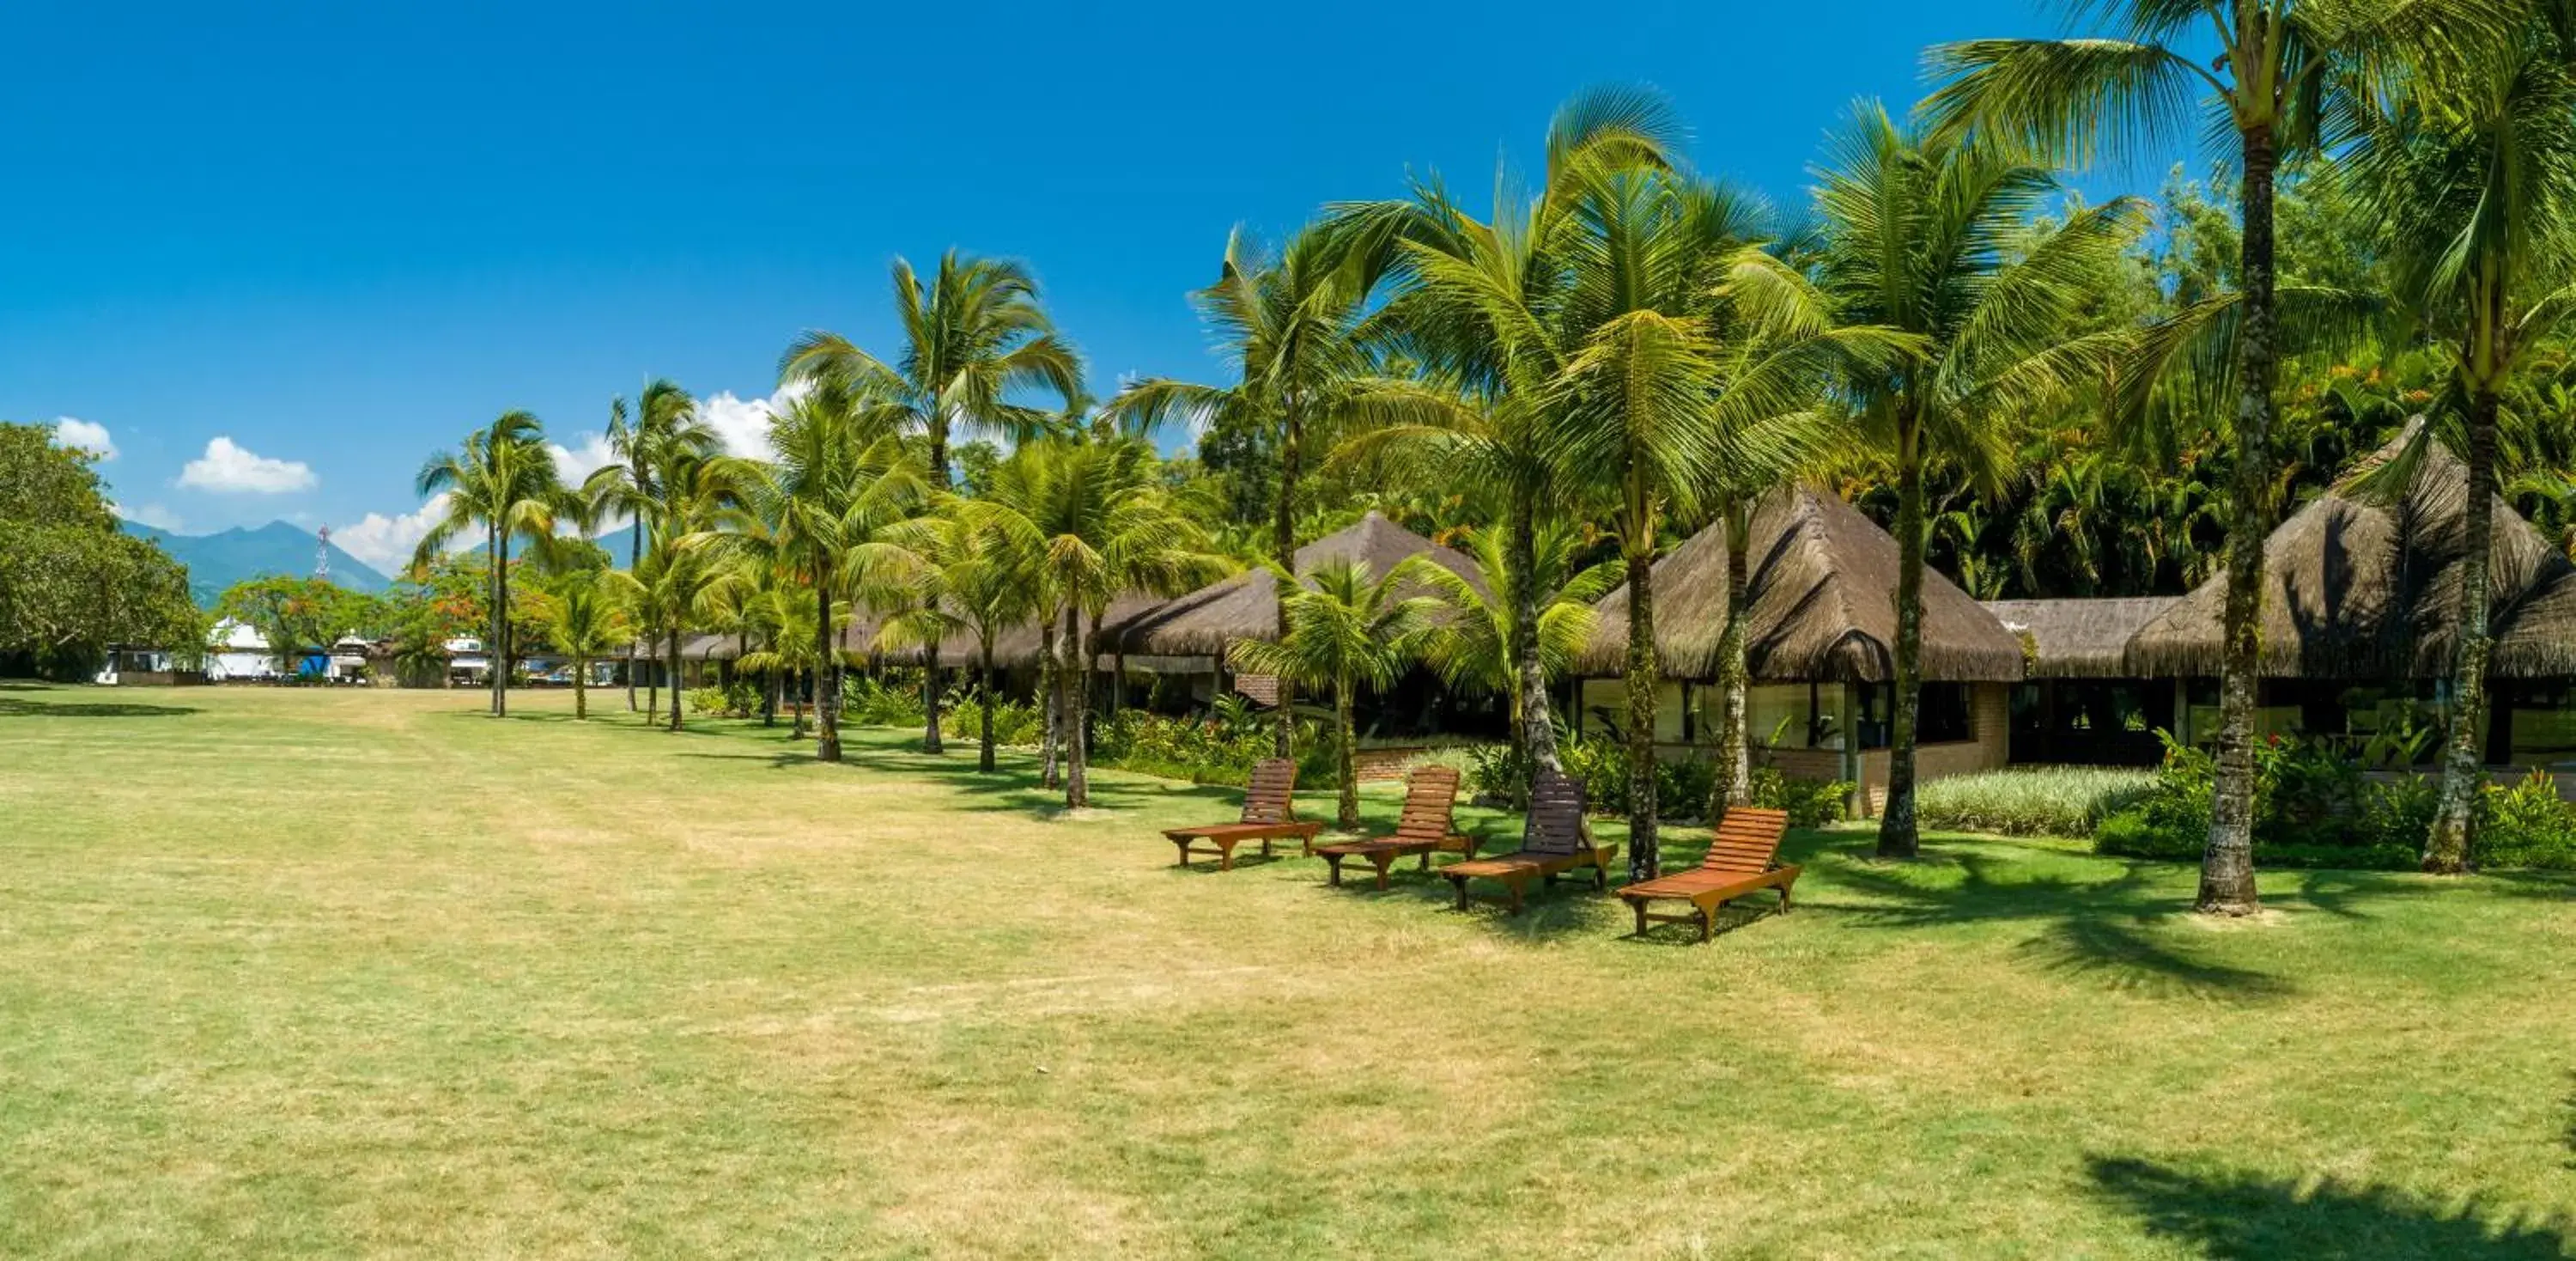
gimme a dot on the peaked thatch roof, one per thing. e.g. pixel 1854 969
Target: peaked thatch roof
pixel 2353 589
pixel 2081 638
pixel 1246 606
pixel 1821 604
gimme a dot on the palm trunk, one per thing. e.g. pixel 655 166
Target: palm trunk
pixel 2446 849
pixel 1283 548
pixel 1534 731
pixel 634 561
pixel 2227 867
pixel 769 700
pixel 1051 737
pixel 930 699
pixel 827 715
pixel 1645 857
pixel 500 654
pixel 1898 837
pixel 1077 708
pixel 1733 784
pixel 1345 759
pixel 580 690
pixel 675 677
pixel 796 705
pixel 984 749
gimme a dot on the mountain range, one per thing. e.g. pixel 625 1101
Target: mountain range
pixel 217 561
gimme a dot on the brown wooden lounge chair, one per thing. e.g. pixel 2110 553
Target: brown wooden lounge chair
pixel 1559 840
pixel 1743 856
pixel 1430 800
pixel 1269 814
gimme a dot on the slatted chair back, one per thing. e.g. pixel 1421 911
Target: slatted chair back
pixel 1269 797
pixel 1430 798
pixel 1556 822
pixel 1746 841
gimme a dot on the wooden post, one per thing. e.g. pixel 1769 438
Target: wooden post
pixel 1117 683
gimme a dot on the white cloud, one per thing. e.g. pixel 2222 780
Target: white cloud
pixel 743 424
pixel 228 466
pixel 386 543
pixel 72 431
pixel 575 463
pixel 154 515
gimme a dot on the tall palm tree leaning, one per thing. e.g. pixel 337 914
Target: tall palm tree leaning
pixel 2472 171
pixel 625 487
pixel 701 496
pixel 1347 629
pixel 502 481
pixel 2267 87
pixel 1293 324
pixel 836 483
pixel 971 583
pixel 1915 227
pixel 975 338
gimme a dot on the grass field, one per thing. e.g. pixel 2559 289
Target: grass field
pixel 294 973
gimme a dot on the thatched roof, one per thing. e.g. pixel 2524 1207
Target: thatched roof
pixel 2354 589
pixel 1206 621
pixel 1821 584
pixel 2078 639
pixel 1015 648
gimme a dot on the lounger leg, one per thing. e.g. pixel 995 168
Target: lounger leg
pixel 1707 923
pixel 1517 904
pixel 1225 856
pixel 1460 884
pixel 1335 862
pixel 1184 859
pixel 1600 878
pixel 1425 864
pixel 1784 899
pixel 1639 906
pixel 1383 862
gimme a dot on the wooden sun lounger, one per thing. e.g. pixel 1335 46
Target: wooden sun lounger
pixel 1269 814
pixel 1559 840
pixel 1743 856
pixel 1430 802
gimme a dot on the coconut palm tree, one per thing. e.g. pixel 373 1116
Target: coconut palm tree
pixel 2268 89
pixel 792 649
pixel 582 620
pixel 1087 521
pixel 839 480
pixel 2472 171
pixel 1347 629
pixel 1293 324
pixel 685 557
pixel 973 339
pixel 969 581
pixel 1478 640
pixel 503 481
pixel 665 418
pixel 1913 227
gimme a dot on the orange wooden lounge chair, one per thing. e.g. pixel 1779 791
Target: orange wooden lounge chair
pixel 1430 801
pixel 1269 814
pixel 1743 856
pixel 1558 840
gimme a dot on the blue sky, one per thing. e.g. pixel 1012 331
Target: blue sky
pixel 338 236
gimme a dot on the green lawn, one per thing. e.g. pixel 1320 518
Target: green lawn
pixel 289 973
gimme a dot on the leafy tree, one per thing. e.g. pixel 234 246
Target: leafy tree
pixel 1913 227
pixel 71 583
pixel 2473 172
pixel 967 579
pixel 1346 630
pixel 583 620
pixel 295 615
pixel 503 481
pixel 975 337
pixel 2268 89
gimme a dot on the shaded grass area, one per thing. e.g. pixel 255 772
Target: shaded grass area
pixel 320 973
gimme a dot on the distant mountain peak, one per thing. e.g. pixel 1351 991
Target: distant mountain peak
pixel 217 561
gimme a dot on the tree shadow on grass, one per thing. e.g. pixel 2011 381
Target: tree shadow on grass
pixel 2099 929
pixel 2243 1215
pixel 12 708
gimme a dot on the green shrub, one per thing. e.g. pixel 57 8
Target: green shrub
pixel 1220 748
pixel 1810 802
pixel 2524 825
pixel 1018 724
pixel 892 702
pixel 2314 807
pixel 2036 801
pixel 706 700
pixel 1499 774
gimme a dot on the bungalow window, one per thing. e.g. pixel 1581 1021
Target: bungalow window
pixel 1941 719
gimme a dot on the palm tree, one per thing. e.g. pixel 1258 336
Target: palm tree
pixel 839 480
pixel 2472 170
pixel 583 621
pixel 1346 630
pixel 1294 325
pixel 665 417
pixel 969 581
pixel 972 340
pixel 1086 522
pixel 1913 228
pixel 684 561
pixel 792 648
pixel 502 480
pixel 1478 642
pixel 2268 88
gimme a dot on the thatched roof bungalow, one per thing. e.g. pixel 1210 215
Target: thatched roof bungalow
pixel 1206 622
pixel 2078 638
pixel 1821 626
